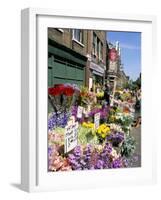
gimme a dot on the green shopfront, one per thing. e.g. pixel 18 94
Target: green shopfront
pixel 65 65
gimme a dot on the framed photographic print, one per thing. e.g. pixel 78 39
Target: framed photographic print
pixel 86 107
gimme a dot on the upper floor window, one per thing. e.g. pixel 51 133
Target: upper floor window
pixel 97 49
pixel 60 30
pixel 94 48
pixel 100 54
pixel 78 35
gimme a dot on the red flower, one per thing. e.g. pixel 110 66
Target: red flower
pixel 55 91
pixel 61 89
pixel 68 91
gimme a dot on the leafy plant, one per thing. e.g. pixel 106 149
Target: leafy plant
pixel 87 135
pixel 128 146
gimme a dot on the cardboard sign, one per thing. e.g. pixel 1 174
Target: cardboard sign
pixel 71 137
pixel 79 112
pixel 97 120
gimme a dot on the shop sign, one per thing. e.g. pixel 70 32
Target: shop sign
pixel 113 55
pixel 100 69
pixel 71 137
pixel 113 66
pixel 97 120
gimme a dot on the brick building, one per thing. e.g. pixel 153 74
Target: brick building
pixel 122 79
pixel 76 56
pixel 96 53
pixel 66 56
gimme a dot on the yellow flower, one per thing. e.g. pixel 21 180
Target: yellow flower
pixel 88 125
pixel 99 131
pixel 104 135
pixel 103 130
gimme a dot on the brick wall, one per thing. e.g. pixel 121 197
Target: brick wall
pixel 64 37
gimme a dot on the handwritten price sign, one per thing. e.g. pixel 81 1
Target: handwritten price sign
pixel 79 112
pixel 71 137
pixel 97 120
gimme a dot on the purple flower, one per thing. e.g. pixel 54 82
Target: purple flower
pixel 99 164
pixel 107 148
pixel 71 157
pixel 117 163
pixel 77 151
pixel 49 151
pixel 115 138
pixel 74 111
pixel 58 120
pixel 75 161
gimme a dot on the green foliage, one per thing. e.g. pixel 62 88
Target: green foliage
pixel 128 146
pixel 87 135
pixel 125 121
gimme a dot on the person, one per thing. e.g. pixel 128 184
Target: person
pixel 107 95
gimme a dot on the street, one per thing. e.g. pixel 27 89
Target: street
pixel 136 133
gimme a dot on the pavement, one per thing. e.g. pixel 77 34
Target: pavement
pixel 136 133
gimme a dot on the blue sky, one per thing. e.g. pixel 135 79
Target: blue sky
pixel 130 43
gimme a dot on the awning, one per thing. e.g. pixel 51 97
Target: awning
pixel 97 68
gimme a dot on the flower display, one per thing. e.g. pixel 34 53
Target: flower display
pixel 103 130
pixel 91 158
pixel 106 146
pixel 63 96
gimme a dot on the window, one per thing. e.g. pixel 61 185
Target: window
pixel 97 49
pixel 78 35
pixel 60 30
pixel 94 49
pixel 100 54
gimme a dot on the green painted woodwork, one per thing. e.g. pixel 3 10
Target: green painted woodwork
pixel 64 72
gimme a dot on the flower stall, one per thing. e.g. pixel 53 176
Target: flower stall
pixel 84 133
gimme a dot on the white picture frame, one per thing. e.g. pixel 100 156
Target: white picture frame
pixel 34 176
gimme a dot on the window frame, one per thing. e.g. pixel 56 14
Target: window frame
pixel 80 39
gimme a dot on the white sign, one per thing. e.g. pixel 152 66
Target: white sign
pixel 71 137
pixel 97 120
pixel 90 83
pixel 113 66
pixel 79 112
